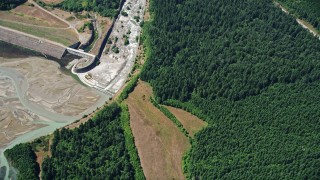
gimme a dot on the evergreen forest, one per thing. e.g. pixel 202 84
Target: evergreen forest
pixel 308 10
pixel 107 8
pixel 248 69
pixel 23 158
pixel 98 149
pixel 10 4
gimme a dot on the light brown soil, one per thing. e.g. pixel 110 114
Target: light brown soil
pixel 160 144
pixel 61 13
pixel 52 1
pixel 309 26
pixel 42 154
pixel 32 15
pixel 33 20
pixel 190 122
pixel 147 13
pixel 105 24
pixel 40 157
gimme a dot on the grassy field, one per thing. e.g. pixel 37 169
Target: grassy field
pixel 52 1
pixel 160 143
pixel 190 122
pixel 32 20
pixel 29 14
pixel 64 36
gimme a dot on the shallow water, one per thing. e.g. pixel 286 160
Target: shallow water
pixel 52 120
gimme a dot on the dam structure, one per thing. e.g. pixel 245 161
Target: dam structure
pixel 87 62
pixel 46 47
pixel 31 42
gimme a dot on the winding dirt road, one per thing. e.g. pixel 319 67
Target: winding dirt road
pixel 63 20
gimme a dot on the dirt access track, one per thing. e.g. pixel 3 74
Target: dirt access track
pixel 160 144
pixel 32 15
pixel 31 19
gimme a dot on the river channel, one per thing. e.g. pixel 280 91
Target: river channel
pixel 11 59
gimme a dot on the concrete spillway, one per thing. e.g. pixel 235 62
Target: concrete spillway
pixel 81 53
pixel 86 63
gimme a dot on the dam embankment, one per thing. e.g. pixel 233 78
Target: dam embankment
pixel 46 47
pixel 31 42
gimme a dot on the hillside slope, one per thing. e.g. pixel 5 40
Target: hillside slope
pixel 252 72
pixel 10 4
pixel 308 10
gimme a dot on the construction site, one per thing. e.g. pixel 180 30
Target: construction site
pixel 118 56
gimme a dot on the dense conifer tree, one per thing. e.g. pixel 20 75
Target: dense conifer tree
pixel 252 72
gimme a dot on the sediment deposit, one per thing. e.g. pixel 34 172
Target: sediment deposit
pixel 39 94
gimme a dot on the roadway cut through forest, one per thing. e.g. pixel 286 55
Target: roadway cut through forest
pixel 303 23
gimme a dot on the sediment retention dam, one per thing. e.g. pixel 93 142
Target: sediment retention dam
pixel 31 42
pixel 41 45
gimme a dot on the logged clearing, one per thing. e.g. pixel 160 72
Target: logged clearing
pixel 190 122
pixel 160 144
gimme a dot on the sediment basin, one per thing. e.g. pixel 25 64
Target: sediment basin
pixel 36 98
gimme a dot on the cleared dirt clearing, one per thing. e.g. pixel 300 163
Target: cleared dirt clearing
pixel 159 142
pixel 190 122
pixel 32 15
pixel 66 37
pixel 33 20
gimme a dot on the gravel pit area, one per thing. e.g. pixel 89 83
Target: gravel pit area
pixel 115 66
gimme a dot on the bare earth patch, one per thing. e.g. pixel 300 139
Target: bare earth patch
pixel 33 20
pixel 190 122
pixel 43 151
pixel 52 1
pixel 103 25
pixel 62 14
pixel 160 144
pixel 146 16
pixel 66 36
pixel 32 15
